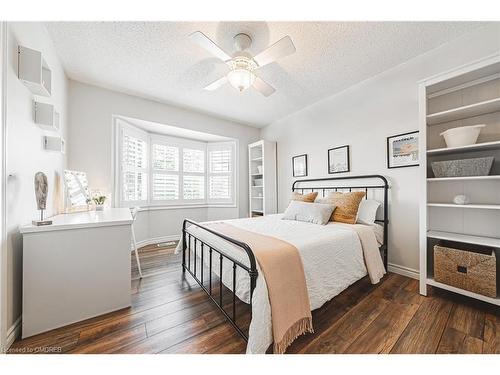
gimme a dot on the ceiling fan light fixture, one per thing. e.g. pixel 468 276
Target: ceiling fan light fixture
pixel 243 64
pixel 241 79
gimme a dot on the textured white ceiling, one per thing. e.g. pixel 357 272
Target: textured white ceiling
pixel 156 60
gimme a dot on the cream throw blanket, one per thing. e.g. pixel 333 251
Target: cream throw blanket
pixel 373 261
pixel 284 274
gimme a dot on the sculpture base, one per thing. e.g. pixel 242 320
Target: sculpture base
pixel 39 223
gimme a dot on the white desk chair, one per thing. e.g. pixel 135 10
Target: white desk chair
pixel 133 211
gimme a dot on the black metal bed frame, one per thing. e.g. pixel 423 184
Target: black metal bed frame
pixel 251 269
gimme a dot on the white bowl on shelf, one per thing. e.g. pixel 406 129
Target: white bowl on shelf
pixel 462 136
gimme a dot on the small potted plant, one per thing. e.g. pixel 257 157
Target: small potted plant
pixel 99 200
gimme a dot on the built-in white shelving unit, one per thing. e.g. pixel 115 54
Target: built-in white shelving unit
pixel 262 178
pixel 467 178
pixel 33 71
pixel 463 112
pixel 466 206
pixel 484 146
pixel 466 96
pixel 494 301
pixel 458 237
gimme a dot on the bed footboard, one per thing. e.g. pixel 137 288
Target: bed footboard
pixel 189 250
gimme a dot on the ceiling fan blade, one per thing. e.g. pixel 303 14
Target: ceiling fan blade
pixel 281 48
pixel 263 87
pixel 216 84
pixel 205 42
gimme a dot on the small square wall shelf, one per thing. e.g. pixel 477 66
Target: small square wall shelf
pixel 33 71
pixel 46 116
pixel 57 144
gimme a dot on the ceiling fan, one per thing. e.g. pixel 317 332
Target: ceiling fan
pixel 243 65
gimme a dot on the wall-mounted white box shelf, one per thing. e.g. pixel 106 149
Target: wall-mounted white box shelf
pixel 33 71
pixel 46 116
pixel 54 144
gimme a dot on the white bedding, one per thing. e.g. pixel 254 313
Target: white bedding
pixel 331 254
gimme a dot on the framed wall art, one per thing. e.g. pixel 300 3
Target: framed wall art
pixel 402 150
pixel 299 165
pixel 338 160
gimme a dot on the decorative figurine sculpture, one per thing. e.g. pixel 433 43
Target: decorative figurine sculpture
pixel 41 188
pixel 461 199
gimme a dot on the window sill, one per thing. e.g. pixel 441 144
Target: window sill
pixel 182 207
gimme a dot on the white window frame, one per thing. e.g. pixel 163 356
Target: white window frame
pixel 140 134
pixel 181 144
pixel 214 146
pixel 120 125
pixel 153 142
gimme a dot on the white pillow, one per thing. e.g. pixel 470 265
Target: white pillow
pixel 367 211
pixel 316 213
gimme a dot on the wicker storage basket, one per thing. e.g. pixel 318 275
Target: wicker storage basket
pixel 467 270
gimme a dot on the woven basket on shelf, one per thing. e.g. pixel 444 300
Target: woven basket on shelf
pixel 467 270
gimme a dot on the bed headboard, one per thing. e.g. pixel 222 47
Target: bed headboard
pixel 375 186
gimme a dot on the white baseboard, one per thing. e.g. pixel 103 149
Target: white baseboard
pixel 405 271
pixel 154 240
pixel 13 332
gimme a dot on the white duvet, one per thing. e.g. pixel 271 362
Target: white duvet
pixel 331 254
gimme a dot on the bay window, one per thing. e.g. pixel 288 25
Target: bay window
pixel 160 170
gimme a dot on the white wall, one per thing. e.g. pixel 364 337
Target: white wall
pixel 25 155
pixel 362 117
pixel 90 148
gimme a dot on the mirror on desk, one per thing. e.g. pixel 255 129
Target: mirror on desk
pixel 77 194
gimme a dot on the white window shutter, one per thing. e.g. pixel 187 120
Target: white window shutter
pixel 134 166
pixel 221 172
pixel 194 187
pixel 165 158
pixel 165 187
pixel 220 187
pixel 135 152
pixel 193 161
pixel 220 161
pixel 135 186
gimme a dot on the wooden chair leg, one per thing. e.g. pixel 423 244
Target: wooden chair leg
pixel 136 253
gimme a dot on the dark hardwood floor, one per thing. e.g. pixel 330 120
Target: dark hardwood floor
pixel 171 314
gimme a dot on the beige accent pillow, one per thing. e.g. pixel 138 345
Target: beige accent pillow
pixel 304 197
pixel 346 206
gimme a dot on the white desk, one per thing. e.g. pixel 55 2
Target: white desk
pixel 75 269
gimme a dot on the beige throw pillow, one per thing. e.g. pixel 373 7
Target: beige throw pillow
pixel 304 197
pixel 316 213
pixel 346 206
